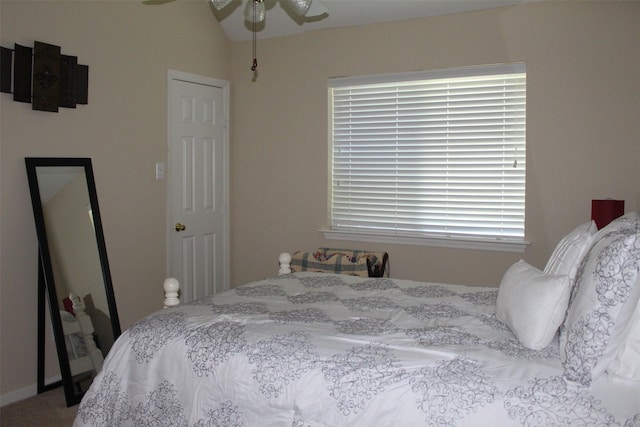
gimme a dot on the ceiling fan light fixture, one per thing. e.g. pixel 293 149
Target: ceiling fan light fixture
pixel 255 11
pixel 220 4
pixel 299 7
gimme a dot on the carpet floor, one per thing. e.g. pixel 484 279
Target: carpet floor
pixel 47 409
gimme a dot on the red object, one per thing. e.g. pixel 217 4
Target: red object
pixel 605 211
pixel 68 305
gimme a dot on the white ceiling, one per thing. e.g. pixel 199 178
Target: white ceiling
pixel 342 13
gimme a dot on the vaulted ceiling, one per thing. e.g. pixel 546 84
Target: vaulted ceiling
pixel 341 13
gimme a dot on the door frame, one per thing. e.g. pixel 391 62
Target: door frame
pixel 173 75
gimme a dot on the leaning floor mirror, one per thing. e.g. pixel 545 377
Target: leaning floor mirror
pixel 73 272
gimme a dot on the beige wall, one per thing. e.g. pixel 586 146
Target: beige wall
pixel 583 137
pixel 129 47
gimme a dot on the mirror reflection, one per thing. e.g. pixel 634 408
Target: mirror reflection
pixel 74 270
pixel 68 218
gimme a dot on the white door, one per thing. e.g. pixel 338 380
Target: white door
pixel 198 184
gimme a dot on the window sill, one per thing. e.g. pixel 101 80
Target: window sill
pixel 431 241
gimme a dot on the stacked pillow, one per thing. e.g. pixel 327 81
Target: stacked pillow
pixel 600 319
pixel 567 255
pixel 602 303
pixel 533 303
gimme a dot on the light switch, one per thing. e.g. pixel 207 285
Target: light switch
pixel 159 170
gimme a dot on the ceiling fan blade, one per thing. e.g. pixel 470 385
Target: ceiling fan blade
pixel 299 7
pixel 220 4
pixel 316 9
pixel 255 11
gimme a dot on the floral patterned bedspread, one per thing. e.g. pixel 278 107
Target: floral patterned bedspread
pixel 314 349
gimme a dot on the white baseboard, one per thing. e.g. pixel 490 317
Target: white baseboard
pixel 17 395
pixel 23 393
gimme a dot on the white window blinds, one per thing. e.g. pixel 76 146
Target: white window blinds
pixel 438 154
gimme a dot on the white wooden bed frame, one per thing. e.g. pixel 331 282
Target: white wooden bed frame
pixel 83 326
pixel 171 285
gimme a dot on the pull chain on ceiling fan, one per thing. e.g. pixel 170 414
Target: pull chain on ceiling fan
pixel 259 13
pixel 255 12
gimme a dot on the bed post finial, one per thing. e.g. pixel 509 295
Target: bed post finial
pixel 171 287
pixel 285 263
pixel 86 326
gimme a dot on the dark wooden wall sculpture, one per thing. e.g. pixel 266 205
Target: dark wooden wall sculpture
pixel 43 77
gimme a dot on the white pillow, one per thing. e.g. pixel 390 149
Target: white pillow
pixel 603 300
pixel 568 254
pixel 533 304
pixel 626 364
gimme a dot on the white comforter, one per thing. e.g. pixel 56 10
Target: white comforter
pixel 315 349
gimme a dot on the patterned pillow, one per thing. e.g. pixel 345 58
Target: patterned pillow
pixel 323 263
pixel 626 364
pixel 602 301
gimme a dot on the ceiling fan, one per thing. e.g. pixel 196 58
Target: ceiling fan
pixel 255 11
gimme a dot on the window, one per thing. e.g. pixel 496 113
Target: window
pixel 430 157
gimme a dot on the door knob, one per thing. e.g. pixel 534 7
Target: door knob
pixel 180 227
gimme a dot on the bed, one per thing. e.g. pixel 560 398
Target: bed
pixel 322 349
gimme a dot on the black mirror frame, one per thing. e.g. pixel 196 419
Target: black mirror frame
pixel 45 272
